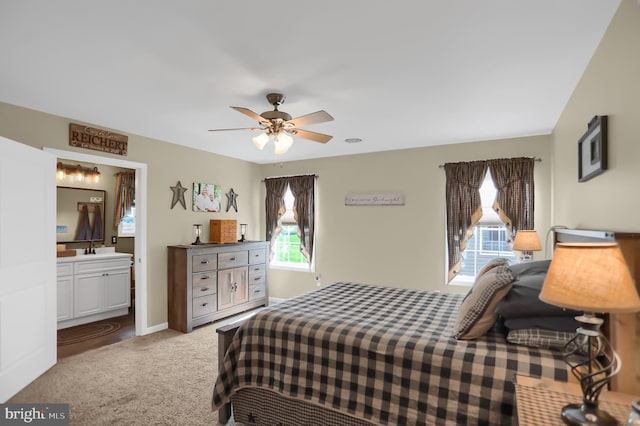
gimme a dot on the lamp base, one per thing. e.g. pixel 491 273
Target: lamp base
pixel 586 414
pixel 196 242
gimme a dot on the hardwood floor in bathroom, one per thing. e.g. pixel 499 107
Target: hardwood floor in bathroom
pixel 126 330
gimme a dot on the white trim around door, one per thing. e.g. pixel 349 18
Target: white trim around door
pixel 140 256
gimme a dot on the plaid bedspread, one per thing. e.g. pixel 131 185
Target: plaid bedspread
pixel 381 354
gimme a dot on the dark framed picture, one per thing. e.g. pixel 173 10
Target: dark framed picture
pixel 592 149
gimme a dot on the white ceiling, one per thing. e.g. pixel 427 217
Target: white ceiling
pixel 397 74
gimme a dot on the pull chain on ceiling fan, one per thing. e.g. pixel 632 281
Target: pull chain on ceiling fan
pixel 280 125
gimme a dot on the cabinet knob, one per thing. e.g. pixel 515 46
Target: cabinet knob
pixel 204 304
pixel 205 262
pixel 256 279
pixel 205 277
pixel 204 289
pixel 233 258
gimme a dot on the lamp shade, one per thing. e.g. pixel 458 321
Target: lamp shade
pixel 527 241
pixel 282 142
pixel 261 140
pixel 590 277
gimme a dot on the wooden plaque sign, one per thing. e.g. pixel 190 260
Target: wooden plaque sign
pixel 96 139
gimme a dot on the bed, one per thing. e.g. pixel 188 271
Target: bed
pixel 357 354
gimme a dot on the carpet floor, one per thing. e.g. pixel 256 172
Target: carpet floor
pixel 164 378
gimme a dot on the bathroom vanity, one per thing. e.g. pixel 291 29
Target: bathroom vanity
pixel 93 287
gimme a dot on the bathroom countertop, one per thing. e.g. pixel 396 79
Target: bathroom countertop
pixel 102 253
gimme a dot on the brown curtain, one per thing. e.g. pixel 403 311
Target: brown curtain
pixel 274 207
pixel 513 179
pixel 464 208
pixel 125 196
pixel 302 188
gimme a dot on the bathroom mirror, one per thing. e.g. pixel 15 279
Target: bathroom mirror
pixel 80 215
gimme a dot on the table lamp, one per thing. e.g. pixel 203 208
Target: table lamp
pixel 526 242
pixel 590 277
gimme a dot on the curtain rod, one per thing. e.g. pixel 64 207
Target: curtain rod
pixel 275 177
pixel 539 160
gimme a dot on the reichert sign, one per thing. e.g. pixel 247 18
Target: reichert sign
pixel 96 139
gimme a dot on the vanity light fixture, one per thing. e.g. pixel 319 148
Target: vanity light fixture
pixel 77 173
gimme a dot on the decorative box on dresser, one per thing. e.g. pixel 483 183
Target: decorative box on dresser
pixel 208 282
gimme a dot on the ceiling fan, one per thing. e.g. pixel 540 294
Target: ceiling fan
pixel 280 125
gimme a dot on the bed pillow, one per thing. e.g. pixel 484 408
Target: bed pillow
pixel 562 323
pixel 523 301
pixel 540 338
pixel 477 314
pixel 493 263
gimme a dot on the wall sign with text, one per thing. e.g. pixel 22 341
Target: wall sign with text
pixel 383 199
pixel 97 139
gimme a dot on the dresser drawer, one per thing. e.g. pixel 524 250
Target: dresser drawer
pixel 257 274
pixel 257 256
pixel 204 283
pixel 204 262
pixel 256 291
pixel 204 305
pixel 233 259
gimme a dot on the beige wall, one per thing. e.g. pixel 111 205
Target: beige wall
pixel 166 165
pixel 401 246
pixel 610 86
pixel 398 245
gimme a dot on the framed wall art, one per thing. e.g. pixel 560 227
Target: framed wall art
pixel 592 149
pixel 206 197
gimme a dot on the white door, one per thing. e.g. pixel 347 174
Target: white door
pixel 27 265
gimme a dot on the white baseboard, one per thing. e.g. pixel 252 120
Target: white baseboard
pixel 155 328
pixel 273 300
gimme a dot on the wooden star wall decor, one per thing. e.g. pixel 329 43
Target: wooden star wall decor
pixel 178 195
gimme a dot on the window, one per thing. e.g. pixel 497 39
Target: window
pixel 287 244
pixel 127 225
pixel 489 238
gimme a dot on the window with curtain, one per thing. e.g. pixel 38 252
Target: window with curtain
pixel 482 221
pixel 125 213
pixel 290 214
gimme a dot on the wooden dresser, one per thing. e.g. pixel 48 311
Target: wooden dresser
pixel 212 281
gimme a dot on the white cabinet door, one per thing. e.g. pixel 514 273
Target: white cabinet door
pixel 65 298
pixel 117 289
pixel 27 265
pixel 88 294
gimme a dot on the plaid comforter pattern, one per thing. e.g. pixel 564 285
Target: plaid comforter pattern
pixel 381 354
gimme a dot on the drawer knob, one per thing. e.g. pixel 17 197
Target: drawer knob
pixel 204 289
pixel 204 304
pixel 233 258
pixel 205 277
pixel 205 262
pixel 256 279
pixel 258 291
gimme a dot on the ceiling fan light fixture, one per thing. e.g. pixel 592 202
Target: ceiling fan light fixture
pixel 261 140
pixel 282 142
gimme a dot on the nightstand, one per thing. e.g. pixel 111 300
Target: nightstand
pixel 540 401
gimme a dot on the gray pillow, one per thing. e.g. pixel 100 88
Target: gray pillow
pixel 523 301
pixel 562 323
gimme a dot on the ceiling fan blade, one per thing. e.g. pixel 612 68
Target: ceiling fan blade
pixel 313 136
pixel 313 118
pixel 238 128
pixel 250 113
